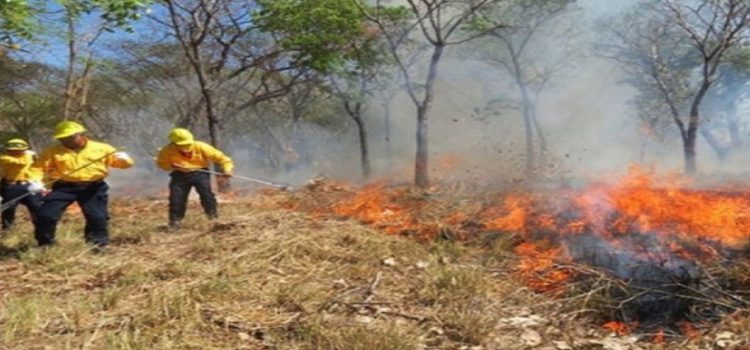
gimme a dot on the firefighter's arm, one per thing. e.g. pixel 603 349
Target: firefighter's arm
pixel 42 165
pixel 120 160
pixel 36 174
pixel 6 159
pixel 218 157
pixel 163 160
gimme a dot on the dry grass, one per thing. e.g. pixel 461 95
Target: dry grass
pixel 266 279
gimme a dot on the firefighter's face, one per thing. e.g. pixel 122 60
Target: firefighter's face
pixel 73 142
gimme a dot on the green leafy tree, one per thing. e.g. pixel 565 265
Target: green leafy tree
pixel 15 22
pixel 334 38
pixel 28 100
pixel 19 18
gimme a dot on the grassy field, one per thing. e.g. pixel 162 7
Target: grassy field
pixel 275 279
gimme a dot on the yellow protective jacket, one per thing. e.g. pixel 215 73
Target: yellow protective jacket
pixel 18 168
pixel 197 156
pixel 57 161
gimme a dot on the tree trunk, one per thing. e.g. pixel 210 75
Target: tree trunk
pixel 70 74
pixel 733 126
pixel 543 149
pixel 355 112
pixel 387 130
pixel 214 132
pixel 690 161
pixel 527 107
pixel 363 148
pixel 692 132
pixel 421 171
pixel 528 130
pixel 721 151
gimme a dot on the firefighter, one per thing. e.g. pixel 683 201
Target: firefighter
pixel 19 180
pixel 188 162
pixel 77 167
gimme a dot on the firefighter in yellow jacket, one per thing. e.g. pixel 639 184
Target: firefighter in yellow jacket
pixel 76 168
pixel 18 180
pixel 188 161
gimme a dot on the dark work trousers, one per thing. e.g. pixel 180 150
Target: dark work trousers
pixel 91 197
pixel 10 191
pixel 179 189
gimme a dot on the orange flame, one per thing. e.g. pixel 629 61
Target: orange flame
pixel 620 328
pixel 538 268
pixel 689 330
pixel 659 337
pixel 673 213
pixel 383 208
pixel 641 202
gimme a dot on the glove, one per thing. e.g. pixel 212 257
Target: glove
pixel 121 156
pixel 225 175
pixel 36 187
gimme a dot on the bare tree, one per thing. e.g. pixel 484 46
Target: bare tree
pixel 681 41
pixel 722 130
pixel 214 37
pixel 81 37
pixel 229 55
pixel 714 27
pixel 511 48
pixel 440 23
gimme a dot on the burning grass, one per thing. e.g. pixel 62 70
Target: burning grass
pixel 257 279
pixel 514 270
pixel 647 253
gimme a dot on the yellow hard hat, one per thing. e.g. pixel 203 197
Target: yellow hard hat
pixel 67 128
pixel 181 137
pixel 16 145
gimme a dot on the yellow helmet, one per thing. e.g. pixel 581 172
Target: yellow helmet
pixel 181 137
pixel 67 128
pixel 16 145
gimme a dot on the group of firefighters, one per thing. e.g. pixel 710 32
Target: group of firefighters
pixel 75 170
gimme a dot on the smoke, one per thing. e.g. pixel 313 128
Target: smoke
pixel 587 111
pixel 586 114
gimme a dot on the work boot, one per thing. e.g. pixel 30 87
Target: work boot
pixel 99 249
pixel 46 246
pixel 174 226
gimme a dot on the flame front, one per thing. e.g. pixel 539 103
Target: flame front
pixel 639 219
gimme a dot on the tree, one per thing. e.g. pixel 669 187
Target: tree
pixel 244 52
pixel 722 103
pixel 19 18
pixel 511 48
pixel 356 81
pixel 331 38
pixel 15 22
pixel 352 86
pixel 677 52
pixel 221 42
pixel 28 99
pixel 441 23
